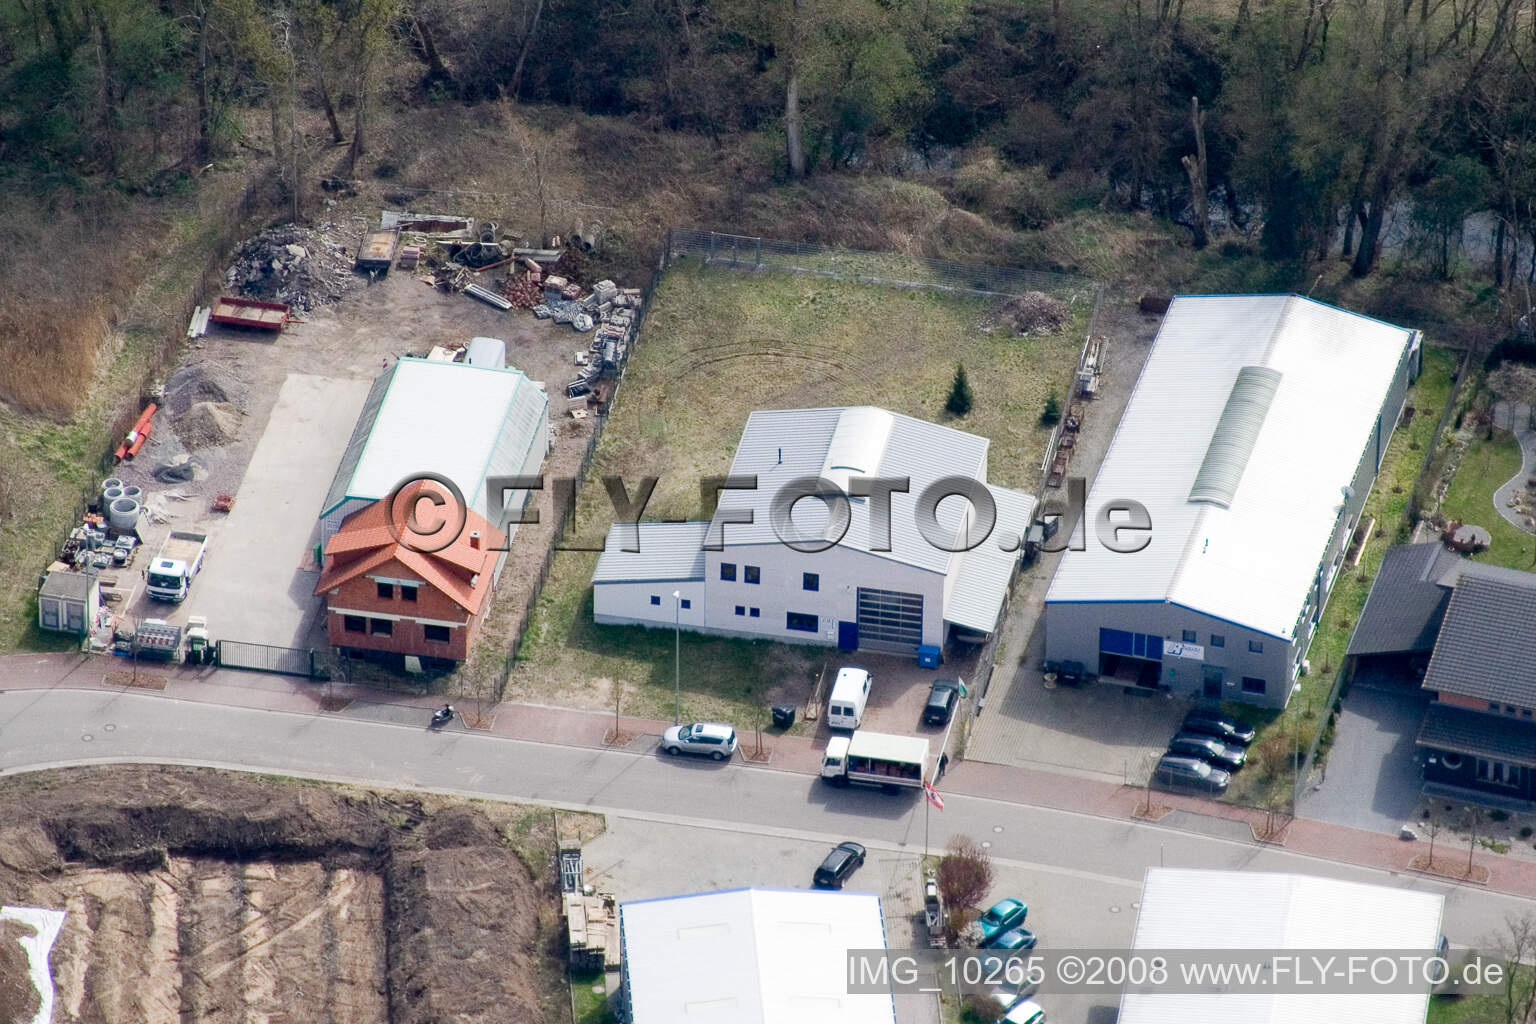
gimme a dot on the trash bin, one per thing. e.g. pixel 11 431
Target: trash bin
pixel 928 656
pixel 783 715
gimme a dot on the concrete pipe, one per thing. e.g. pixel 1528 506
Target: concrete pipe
pixel 135 493
pixel 123 514
pixel 111 494
pixel 109 483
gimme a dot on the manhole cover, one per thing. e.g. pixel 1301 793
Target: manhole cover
pixel 1114 909
pixel 997 828
pixel 986 844
pixel 109 727
pixel 86 738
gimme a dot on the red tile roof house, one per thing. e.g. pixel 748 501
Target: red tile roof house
pixel 385 596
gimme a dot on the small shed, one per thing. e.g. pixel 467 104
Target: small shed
pixel 68 602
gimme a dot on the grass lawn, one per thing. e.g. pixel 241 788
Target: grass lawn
pixel 1387 504
pixel 589 999
pixel 1485 467
pixel 718 344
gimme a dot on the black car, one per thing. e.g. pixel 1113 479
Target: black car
pixel 839 864
pixel 942 699
pixel 1174 772
pixel 1208 748
pixel 1223 728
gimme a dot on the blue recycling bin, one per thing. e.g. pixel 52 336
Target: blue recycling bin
pixel 929 656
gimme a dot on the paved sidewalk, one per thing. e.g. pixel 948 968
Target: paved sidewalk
pixel 542 724
pixel 1516 419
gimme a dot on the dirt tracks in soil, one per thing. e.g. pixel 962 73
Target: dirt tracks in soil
pixel 203 896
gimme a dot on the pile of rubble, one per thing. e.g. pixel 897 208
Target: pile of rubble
pixel 1034 314
pixel 292 265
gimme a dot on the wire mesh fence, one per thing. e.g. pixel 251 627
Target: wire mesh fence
pixel 883 268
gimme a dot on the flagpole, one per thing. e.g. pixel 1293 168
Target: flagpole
pixel 927 810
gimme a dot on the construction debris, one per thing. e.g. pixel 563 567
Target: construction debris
pixel 292 265
pixel 1034 314
pixel 486 296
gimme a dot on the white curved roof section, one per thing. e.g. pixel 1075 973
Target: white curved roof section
pixel 858 444
pixel 1235 435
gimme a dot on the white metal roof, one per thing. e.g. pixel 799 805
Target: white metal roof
pixel 1253 561
pixel 782 445
pixel 751 956
pixel 978 583
pixel 667 552
pixel 1220 910
pixel 463 422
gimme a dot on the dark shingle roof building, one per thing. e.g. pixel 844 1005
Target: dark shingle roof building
pixel 1486 643
pixel 1407 601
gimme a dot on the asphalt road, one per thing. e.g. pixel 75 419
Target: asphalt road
pixel 50 728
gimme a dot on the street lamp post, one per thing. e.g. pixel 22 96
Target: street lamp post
pixel 677 657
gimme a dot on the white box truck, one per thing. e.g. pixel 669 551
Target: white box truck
pixel 850 692
pixel 893 763
pixel 180 558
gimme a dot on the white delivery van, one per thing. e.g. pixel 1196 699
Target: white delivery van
pixel 850 692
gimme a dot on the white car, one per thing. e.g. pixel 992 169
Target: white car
pixel 707 739
pixel 1020 1011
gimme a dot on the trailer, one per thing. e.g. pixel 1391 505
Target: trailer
pixel 242 312
pixel 376 251
pixel 869 758
pixel 156 638
pixel 180 558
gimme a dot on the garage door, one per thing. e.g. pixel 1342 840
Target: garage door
pixel 890 621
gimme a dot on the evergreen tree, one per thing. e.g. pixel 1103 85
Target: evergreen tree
pixel 959 402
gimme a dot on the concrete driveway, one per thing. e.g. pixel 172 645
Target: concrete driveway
pixel 1372 780
pixel 1098 731
pixel 259 580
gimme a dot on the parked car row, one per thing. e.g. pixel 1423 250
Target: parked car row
pixel 1208 748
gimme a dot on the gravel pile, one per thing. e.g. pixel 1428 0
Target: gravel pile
pixel 203 382
pixel 208 425
pixel 292 265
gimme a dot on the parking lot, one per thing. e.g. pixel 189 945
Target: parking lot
pixel 898 690
pixel 643 859
pixel 1097 731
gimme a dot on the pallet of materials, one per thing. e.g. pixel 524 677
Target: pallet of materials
pixel 238 312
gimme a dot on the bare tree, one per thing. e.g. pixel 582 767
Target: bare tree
pixel 965 874
pixel 1195 167
pixel 1517 944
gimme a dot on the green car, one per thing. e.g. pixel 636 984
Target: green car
pixel 1000 917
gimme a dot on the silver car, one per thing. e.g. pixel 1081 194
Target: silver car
pixel 708 739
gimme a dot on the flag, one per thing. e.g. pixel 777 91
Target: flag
pixel 963 691
pixel 933 795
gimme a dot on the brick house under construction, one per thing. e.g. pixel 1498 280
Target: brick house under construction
pixel 384 596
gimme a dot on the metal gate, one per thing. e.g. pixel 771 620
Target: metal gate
pixel 288 661
pixel 890 621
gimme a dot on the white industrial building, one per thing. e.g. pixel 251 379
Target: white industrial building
pixel 470 424
pixel 868 588
pixel 750 956
pixel 1225 911
pixel 1252 439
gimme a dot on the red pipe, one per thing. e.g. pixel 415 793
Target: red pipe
pixel 137 436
